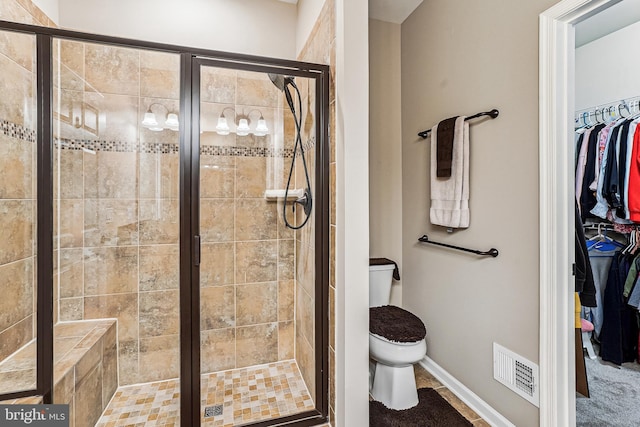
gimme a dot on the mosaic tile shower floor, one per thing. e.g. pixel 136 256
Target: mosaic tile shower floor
pixel 249 394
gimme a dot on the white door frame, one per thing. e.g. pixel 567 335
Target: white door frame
pixel 557 55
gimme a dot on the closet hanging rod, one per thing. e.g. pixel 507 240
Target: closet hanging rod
pixel 613 109
pixel 493 252
pixel 493 114
pixel 602 226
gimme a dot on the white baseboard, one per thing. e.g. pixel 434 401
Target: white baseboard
pixel 471 399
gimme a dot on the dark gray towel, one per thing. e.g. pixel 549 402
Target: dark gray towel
pixel 444 155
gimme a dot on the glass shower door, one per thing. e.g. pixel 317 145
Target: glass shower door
pixel 18 196
pixel 166 260
pixel 256 311
pixel 116 228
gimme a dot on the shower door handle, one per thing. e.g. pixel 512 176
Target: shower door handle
pixel 196 250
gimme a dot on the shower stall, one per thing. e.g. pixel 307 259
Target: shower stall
pixel 164 232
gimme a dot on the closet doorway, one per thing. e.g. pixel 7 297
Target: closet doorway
pixel 557 194
pixel 610 374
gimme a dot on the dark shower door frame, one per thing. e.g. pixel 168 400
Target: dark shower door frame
pixel 191 60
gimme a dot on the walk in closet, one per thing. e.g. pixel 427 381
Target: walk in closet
pixel 607 190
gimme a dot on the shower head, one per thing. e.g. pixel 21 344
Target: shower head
pixel 278 80
pixel 281 81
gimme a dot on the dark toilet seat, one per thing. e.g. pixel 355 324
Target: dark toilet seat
pixel 396 324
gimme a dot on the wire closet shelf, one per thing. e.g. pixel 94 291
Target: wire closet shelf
pixel 607 112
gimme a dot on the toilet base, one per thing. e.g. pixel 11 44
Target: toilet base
pixel 394 386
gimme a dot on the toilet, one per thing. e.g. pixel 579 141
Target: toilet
pixel 396 341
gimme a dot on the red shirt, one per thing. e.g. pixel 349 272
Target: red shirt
pixel 634 179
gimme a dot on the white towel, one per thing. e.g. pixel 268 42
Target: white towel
pixel 450 196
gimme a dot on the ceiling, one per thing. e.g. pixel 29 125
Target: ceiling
pixel 395 11
pixel 618 16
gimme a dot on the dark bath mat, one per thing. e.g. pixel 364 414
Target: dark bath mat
pixel 432 411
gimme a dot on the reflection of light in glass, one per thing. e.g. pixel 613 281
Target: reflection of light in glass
pixel 261 129
pixel 223 127
pixel 243 128
pixel 172 121
pixel 242 122
pixel 150 120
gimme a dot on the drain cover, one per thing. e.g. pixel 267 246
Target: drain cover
pixel 212 411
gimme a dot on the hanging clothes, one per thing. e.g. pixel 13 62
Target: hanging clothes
pixel 607 171
pixel 581 161
pixel 600 264
pixel 587 196
pixel 619 334
pixel 584 284
pixel 634 179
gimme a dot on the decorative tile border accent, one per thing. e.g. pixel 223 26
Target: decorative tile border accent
pixel 215 150
pixel 162 148
pixel 15 130
pixel 20 132
pixel 116 146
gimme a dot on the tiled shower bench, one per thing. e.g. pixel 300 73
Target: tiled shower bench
pixel 85 369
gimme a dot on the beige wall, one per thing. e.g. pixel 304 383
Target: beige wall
pixel 461 57
pixel 307 16
pixel 265 28
pixel 385 147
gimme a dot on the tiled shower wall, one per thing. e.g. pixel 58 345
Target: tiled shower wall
pixel 319 48
pixel 17 176
pixel 116 218
pixel 17 190
pixel 24 12
pixel 118 222
pixel 248 264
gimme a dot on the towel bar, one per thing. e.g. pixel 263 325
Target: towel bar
pixel 493 114
pixel 493 252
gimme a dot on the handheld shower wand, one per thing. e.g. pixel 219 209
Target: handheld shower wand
pixel 306 201
pixel 281 82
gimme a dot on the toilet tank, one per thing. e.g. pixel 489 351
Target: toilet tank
pixel 380 279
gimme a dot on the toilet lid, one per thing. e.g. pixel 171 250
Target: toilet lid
pixel 396 324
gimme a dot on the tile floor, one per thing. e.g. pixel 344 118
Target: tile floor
pixel 250 394
pixel 159 402
pixel 425 379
